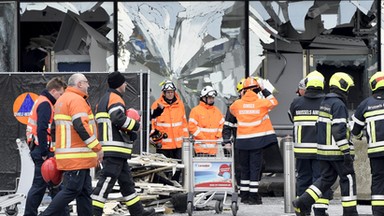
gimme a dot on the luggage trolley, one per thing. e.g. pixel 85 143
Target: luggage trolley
pixel 209 177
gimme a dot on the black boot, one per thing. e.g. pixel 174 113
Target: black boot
pixel 320 212
pixel 149 211
pixel 300 208
pixel 244 197
pixel 255 199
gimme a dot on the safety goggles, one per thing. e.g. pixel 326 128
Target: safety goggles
pixel 212 93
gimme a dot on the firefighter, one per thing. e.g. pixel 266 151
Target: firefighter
pixel 334 150
pixel 254 132
pixel 171 121
pixel 369 114
pixel 116 135
pixel 39 139
pixel 229 132
pixel 206 122
pixel 304 113
pixel 77 148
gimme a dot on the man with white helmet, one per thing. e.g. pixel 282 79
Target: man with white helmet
pixel 169 123
pixel 206 122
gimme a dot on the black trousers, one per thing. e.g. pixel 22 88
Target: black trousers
pixel 377 186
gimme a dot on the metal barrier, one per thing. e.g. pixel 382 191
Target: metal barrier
pixel 289 174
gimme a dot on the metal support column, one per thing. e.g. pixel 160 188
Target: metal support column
pixel 289 174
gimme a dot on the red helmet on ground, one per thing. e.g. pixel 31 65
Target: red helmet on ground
pixel 133 114
pixel 50 173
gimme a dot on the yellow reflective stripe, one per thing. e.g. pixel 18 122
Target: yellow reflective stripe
pixel 312 194
pixel 344 147
pixel 102 115
pixel 349 203
pixel 305 150
pixel 299 134
pixel 322 152
pixel 62 137
pixel 132 201
pixel 302 118
pixel 90 116
pixel 377 203
pixel 98 204
pixel 62 117
pixel 328 134
pixel 93 144
pixel 373 132
pixel 298 210
pixel 76 155
pixel 325 114
pixel 104 131
pixel 131 124
pixel 373 113
pixel 374 150
pixel 117 149
pixel 322 201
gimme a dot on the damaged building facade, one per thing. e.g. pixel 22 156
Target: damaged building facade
pixel 192 43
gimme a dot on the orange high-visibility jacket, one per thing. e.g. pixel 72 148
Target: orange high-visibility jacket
pixel 206 123
pixel 254 128
pixel 172 121
pixel 32 121
pixel 76 142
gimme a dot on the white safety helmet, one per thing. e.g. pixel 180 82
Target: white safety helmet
pixel 167 85
pixel 208 91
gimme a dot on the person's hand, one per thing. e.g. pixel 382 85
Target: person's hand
pixel 158 111
pixel 100 156
pixel 348 165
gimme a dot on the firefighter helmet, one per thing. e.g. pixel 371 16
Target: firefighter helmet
pixel 208 91
pixel 250 82
pixel 342 81
pixel 240 85
pixel 314 79
pixel 167 85
pixel 133 114
pixel 50 173
pixel 377 81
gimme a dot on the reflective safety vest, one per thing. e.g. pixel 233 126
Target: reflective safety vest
pixel 254 127
pixel 332 129
pixel 304 112
pixel 370 113
pixel 76 142
pixel 112 124
pixel 31 131
pixel 206 123
pixel 172 121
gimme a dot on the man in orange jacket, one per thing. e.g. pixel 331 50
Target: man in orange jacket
pixel 77 148
pixel 206 122
pixel 254 132
pixel 170 119
pixel 39 130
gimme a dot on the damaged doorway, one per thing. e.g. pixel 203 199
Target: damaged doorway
pixel 358 65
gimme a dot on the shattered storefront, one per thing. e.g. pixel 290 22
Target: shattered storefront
pixel 194 44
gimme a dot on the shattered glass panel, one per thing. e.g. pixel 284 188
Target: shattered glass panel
pixel 66 36
pixel 194 44
pixel 8 43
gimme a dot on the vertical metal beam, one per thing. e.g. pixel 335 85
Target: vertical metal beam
pixel 115 35
pixel 18 38
pixel 246 37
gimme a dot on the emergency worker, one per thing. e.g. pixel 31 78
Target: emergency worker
pixel 370 114
pixel 116 135
pixel 304 113
pixel 206 122
pixel 254 132
pixel 301 88
pixel 171 121
pixel 77 148
pixel 40 140
pixel 334 150
pixel 229 132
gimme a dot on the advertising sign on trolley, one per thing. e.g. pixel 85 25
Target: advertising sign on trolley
pixel 213 175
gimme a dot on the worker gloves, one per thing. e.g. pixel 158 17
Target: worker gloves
pixel 348 164
pixel 158 111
